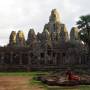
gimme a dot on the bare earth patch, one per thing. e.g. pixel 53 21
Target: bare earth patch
pixel 17 83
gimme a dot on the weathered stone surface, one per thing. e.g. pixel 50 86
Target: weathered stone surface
pixel 54 22
pixel 12 38
pixel 55 39
pixel 20 39
pixel 74 38
pixel 54 17
pixel 53 36
pixel 39 37
pixel 31 36
pixel 46 39
pixel 32 39
pixel 61 81
pixel 63 34
pixel 46 35
pixel 74 34
pixel 55 26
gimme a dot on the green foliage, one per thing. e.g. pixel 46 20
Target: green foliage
pixel 84 26
pixel 84 22
pixel 83 35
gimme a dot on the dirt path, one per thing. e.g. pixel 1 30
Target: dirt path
pixel 17 83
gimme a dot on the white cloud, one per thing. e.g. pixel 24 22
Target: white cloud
pixel 23 14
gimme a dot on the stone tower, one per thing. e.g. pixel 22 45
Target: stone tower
pixel 55 26
pixel 20 39
pixel 54 17
pixel 46 39
pixel 31 40
pixel 39 37
pixel 12 38
pixel 74 34
pixel 54 22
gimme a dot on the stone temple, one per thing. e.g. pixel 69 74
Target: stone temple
pixel 52 49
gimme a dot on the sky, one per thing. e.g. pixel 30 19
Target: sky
pixel 25 14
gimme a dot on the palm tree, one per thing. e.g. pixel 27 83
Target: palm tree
pixel 84 33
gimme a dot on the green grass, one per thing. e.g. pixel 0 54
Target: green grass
pixel 38 83
pixel 83 87
pixel 46 87
pixel 21 73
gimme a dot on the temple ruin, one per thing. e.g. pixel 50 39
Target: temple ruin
pixel 49 50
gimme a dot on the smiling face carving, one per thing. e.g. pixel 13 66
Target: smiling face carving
pixel 54 17
pixel 12 38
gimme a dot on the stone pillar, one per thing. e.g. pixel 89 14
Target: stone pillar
pixel 60 59
pixel 63 58
pixel 52 60
pixel 11 57
pixel 20 58
pixel 29 62
pixel 45 57
pixel 2 58
pixel 29 59
pixel 80 59
pixel 55 61
pixel 86 59
pixel 60 62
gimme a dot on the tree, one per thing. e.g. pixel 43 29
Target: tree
pixel 84 33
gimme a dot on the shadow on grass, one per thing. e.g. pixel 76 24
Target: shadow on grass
pixel 46 87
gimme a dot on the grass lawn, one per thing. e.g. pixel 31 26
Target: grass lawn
pixel 21 73
pixel 46 87
pixel 34 83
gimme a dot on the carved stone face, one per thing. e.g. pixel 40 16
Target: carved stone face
pixel 74 34
pixel 20 39
pixel 20 35
pixel 31 35
pixel 13 37
pixel 54 16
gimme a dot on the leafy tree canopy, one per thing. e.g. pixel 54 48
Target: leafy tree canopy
pixel 84 25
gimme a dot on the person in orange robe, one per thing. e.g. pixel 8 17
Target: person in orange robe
pixel 71 76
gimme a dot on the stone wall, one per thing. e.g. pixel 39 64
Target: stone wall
pixel 25 59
